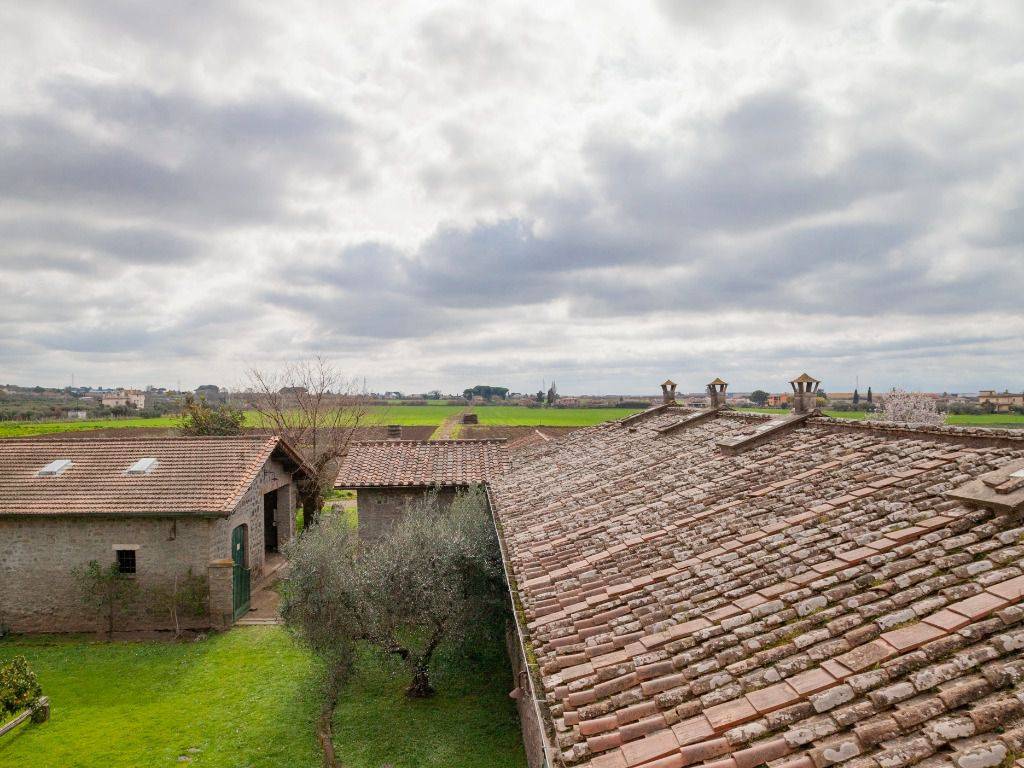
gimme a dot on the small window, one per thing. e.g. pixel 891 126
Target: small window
pixel 143 466
pixel 54 468
pixel 125 560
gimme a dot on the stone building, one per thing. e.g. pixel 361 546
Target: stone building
pixel 1001 402
pixel 733 590
pixel 388 474
pixel 158 507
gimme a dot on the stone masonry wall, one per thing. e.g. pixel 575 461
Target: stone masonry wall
pixel 38 592
pixel 249 511
pixel 379 509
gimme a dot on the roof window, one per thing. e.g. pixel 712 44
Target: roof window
pixel 54 468
pixel 142 467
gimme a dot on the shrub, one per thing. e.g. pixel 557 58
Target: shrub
pixel 19 688
pixel 105 590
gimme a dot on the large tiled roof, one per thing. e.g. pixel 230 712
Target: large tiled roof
pixel 421 464
pixel 201 475
pixel 810 598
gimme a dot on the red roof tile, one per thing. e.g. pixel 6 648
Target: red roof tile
pixel 775 626
pixel 422 464
pixel 193 475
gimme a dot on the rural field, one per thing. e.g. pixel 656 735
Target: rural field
pixel 434 415
pixel 249 697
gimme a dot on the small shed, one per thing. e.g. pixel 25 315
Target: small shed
pixel 388 474
pixel 157 507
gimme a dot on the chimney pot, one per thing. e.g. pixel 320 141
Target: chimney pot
pixel 716 392
pixel 805 398
pixel 668 392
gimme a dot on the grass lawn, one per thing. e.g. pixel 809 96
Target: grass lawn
pixel 471 722
pixel 248 698
pixel 519 416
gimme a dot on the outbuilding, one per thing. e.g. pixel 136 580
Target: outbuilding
pixel 389 474
pixel 157 507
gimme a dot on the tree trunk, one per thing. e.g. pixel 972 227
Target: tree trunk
pixel 420 688
pixel 325 724
pixel 312 503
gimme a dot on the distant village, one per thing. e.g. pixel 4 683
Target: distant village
pixel 21 403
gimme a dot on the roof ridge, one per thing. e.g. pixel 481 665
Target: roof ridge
pixel 382 441
pixel 904 427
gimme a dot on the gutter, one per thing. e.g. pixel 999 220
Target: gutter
pixel 550 753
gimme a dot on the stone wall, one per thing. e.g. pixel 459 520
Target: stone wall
pixel 249 512
pixel 380 508
pixel 37 554
pixel 529 723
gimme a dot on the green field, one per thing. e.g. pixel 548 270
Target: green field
pixel 376 415
pixel 433 415
pixel 518 416
pixel 249 698
pixel 1010 420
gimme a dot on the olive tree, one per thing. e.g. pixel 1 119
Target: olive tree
pixel 429 580
pixel 320 605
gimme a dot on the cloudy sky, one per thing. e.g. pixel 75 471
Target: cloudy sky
pixel 443 194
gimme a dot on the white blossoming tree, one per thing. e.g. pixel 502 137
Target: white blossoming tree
pixel 909 407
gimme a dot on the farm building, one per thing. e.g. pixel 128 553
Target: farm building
pixel 388 474
pixel 736 590
pixel 157 507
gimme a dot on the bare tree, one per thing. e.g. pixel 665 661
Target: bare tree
pixel 317 410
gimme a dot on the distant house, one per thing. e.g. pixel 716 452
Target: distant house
pixel 840 397
pixel 158 507
pixel 1002 402
pixel 129 398
pixel 388 474
pixel 779 401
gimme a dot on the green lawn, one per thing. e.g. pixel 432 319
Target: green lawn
pixel 519 416
pixel 248 698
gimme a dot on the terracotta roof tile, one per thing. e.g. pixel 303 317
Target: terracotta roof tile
pixel 192 475
pixel 840 606
pixel 422 464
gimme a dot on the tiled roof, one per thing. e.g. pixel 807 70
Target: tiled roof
pixel 199 475
pixel 421 464
pixel 814 599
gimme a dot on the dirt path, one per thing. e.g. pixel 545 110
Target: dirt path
pixel 449 428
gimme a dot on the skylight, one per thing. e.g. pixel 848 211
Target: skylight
pixel 54 468
pixel 142 467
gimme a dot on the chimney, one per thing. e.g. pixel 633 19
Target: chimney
pixel 805 399
pixel 716 393
pixel 395 431
pixel 668 392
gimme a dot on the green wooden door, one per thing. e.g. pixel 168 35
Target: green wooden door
pixel 239 574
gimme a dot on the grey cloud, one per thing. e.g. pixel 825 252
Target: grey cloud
pixel 22 240
pixel 175 155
